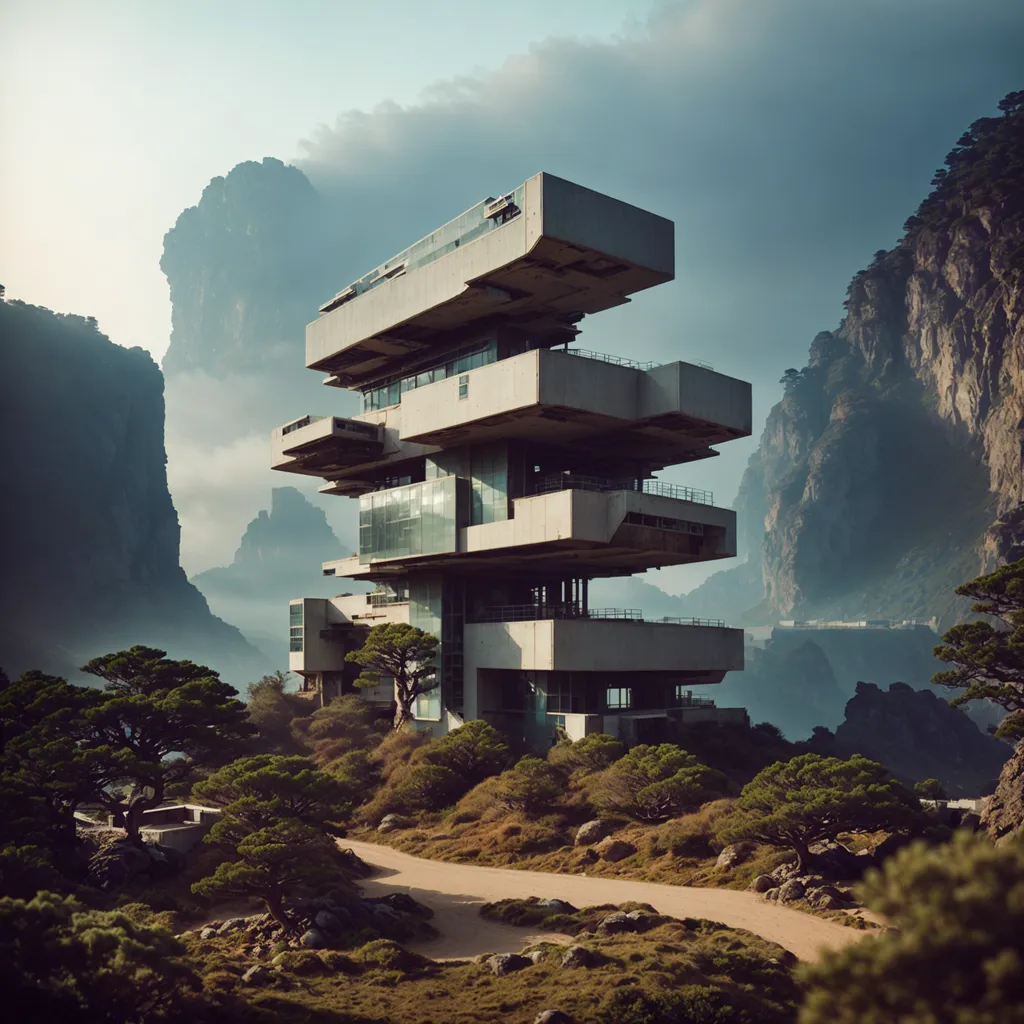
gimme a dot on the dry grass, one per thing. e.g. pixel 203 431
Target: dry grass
pixel 675 971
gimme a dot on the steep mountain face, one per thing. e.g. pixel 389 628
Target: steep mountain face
pixel 89 533
pixel 278 559
pixel 917 736
pixel 247 268
pixel 893 468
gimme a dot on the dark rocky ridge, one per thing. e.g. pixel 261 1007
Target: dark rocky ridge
pixel 278 559
pixel 893 468
pixel 89 533
pixel 917 736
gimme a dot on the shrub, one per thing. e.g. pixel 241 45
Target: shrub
pixel 427 787
pixel 300 961
pixel 591 754
pixel 956 951
pixel 531 787
pixel 656 783
pixel 474 752
pixel 813 798
pixel 390 956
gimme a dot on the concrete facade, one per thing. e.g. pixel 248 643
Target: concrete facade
pixel 499 469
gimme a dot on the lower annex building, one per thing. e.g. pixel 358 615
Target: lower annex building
pixel 499 469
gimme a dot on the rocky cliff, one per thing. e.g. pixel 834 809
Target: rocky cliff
pixel 247 267
pixel 89 534
pixel 278 559
pixel 917 736
pixel 893 468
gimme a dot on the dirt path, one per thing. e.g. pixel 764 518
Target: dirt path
pixel 455 891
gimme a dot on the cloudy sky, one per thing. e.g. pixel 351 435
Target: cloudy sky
pixel 788 139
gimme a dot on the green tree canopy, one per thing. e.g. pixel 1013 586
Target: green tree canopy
pixel 474 752
pixel 162 720
pixel 403 653
pixel 257 791
pixel 272 711
pixel 348 723
pixel 955 951
pixel 989 659
pixel 276 862
pixel 813 798
pixel 531 786
pixel 590 754
pixel 654 783
pixel 62 962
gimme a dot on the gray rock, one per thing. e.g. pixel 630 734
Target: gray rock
pixel 641 920
pixel 614 850
pixel 579 956
pixel 811 881
pixel 617 922
pixel 256 975
pixel 231 925
pixel 552 1017
pixel 208 932
pixel 762 883
pixel 790 891
pixel 733 854
pixel 393 822
pixel 314 939
pixel 536 956
pixel 556 906
pixel 507 963
pixel 589 856
pixel 327 921
pixel 590 832
pixel 772 895
pixel 821 900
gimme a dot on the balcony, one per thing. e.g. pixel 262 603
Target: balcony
pixel 606 405
pixel 584 644
pixel 553 253
pixel 321 445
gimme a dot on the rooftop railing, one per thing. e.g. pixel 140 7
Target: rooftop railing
pixel 683 621
pixel 605 357
pixel 688 700
pixel 300 423
pixel 575 481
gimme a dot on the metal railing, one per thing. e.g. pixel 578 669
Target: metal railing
pixel 375 600
pixel 688 700
pixel 577 482
pixel 683 621
pixel 529 612
pixel 604 357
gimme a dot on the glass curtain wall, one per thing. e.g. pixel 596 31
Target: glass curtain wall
pixel 419 519
pixel 425 612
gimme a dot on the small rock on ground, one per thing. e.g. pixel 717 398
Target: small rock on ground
pixel 507 963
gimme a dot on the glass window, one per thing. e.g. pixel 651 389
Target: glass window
pixel 295 614
pixel 618 697
pixel 412 520
pixel 295 638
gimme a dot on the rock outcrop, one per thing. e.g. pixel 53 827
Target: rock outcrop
pixel 917 736
pixel 893 468
pixel 89 533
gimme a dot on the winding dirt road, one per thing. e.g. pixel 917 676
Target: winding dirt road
pixel 455 891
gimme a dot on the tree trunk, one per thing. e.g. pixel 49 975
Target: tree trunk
pixel 137 804
pixel 272 901
pixel 803 855
pixel 403 714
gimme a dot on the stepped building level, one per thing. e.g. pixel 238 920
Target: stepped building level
pixel 499 468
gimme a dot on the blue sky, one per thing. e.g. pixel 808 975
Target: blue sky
pixel 116 113
pixel 788 140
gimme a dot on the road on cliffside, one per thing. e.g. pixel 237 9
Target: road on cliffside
pixel 455 892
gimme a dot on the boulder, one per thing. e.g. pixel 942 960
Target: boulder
pixel 327 921
pixel 590 832
pixel 208 932
pixel 552 1017
pixel 888 846
pixel 579 956
pixel 640 919
pixel 404 903
pixel 836 861
pixel 256 975
pixel 556 906
pixel 1003 813
pixel 589 856
pixel 535 956
pixel 822 900
pixel 393 822
pixel 732 855
pixel 231 925
pixel 762 883
pixel 507 963
pixel 791 891
pixel 617 922
pixel 772 895
pixel 313 938
pixel 614 850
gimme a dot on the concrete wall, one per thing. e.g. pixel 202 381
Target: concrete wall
pixel 582 645
pixel 698 392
